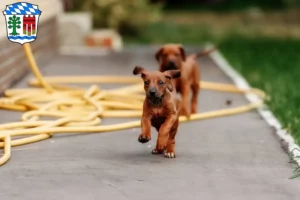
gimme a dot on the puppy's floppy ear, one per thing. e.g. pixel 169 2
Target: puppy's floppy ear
pixel 182 53
pixel 172 74
pixel 139 70
pixel 158 54
pixel 169 74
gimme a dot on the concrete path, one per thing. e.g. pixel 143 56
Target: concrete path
pixel 236 157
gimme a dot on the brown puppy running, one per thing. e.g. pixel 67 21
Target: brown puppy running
pixel 160 109
pixel 172 56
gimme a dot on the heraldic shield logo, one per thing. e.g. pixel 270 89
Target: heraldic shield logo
pixel 22 22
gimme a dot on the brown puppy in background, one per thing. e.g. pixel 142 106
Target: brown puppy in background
pixel 172 56
pixel 160 109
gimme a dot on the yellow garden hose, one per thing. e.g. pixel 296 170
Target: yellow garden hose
pixel 34 68
pixel 80 110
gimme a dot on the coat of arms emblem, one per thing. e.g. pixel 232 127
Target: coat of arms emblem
pixel 22 22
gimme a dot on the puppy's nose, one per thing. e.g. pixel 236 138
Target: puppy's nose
pixel 171 63
pixel 152 92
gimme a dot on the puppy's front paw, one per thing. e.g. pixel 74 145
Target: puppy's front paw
pixel 185 112
pixel 157 151
pixel 194 109
pixel 170 154
pixel 144 138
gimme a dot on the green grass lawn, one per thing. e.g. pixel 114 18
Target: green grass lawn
pixel 162 32
pixel 272 65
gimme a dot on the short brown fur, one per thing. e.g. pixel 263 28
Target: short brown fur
pixel 160 109
pixel 173 56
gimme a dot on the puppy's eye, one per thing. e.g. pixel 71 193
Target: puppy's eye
pixel 146 82
pixel 165 55
pixel 176 54
pixel 160 82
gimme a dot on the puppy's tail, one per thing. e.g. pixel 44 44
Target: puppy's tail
pixel 204 53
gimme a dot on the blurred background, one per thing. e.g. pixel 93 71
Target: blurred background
pixel 191 21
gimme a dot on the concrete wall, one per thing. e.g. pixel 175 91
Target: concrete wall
pixel 13 63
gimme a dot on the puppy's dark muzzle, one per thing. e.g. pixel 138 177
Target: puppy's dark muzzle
pixel 154 97
pixel 171 66
pixel 152 92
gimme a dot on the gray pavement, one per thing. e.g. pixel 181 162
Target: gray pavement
pixel 236 157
